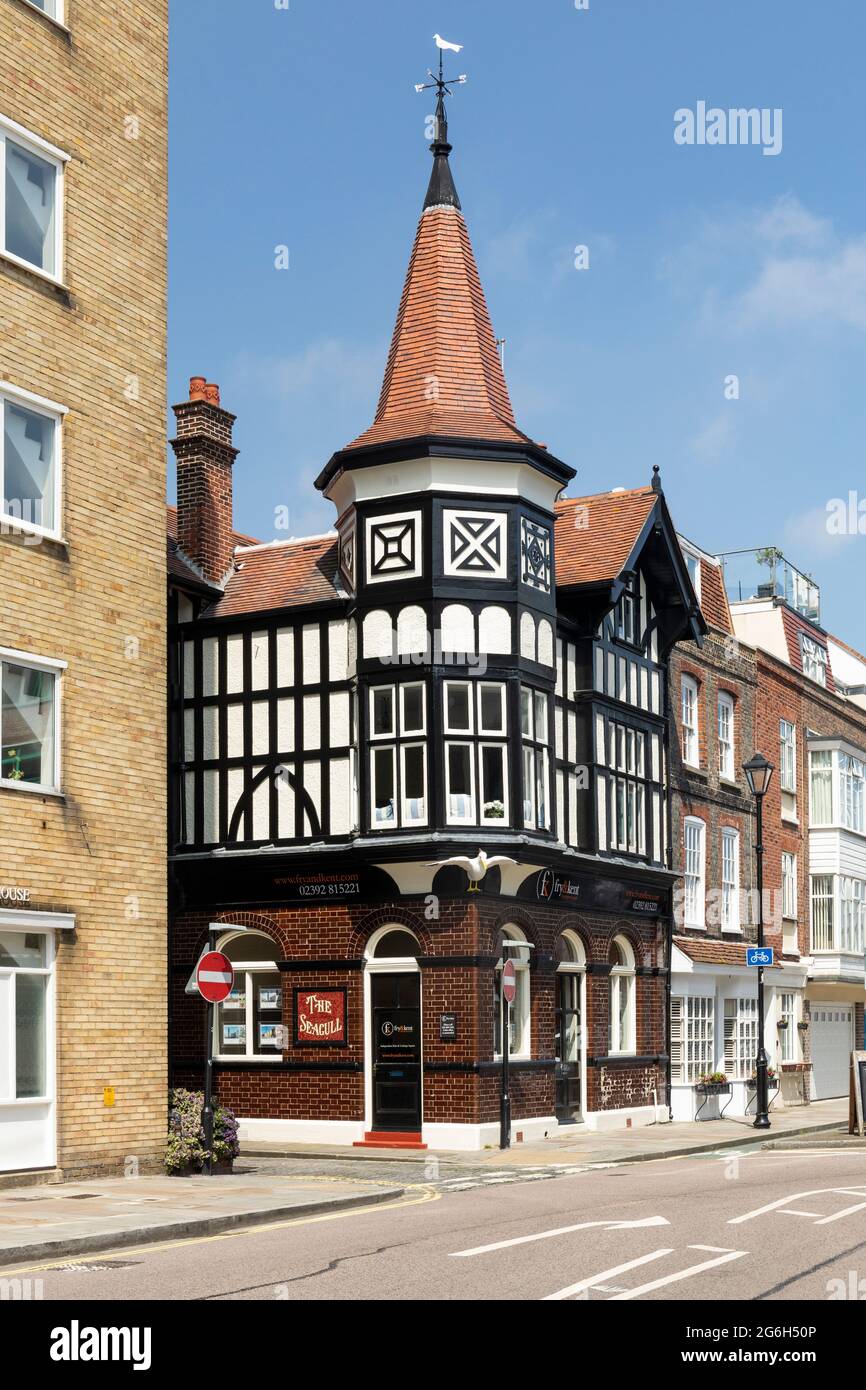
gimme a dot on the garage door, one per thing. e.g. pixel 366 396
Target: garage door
pixel 832 1040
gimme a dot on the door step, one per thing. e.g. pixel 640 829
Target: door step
pixel 390 1139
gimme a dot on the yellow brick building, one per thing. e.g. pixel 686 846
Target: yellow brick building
pixel 83 94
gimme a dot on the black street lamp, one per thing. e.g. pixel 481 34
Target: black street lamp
pixel 759 773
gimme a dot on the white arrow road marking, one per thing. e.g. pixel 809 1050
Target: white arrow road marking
pixel 561 1231
pixel 795 1197
pixel 682 1274
pixel 604 1275
pixel 837 1215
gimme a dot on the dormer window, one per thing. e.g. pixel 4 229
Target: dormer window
pixel 814 659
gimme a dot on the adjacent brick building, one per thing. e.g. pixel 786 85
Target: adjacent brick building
pixel 82 634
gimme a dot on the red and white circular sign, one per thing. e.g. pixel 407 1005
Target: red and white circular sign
pixel 214 976
pixel 509 981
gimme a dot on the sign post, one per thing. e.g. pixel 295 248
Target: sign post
pixel 508 990
pixel 214 977
pixel 857 1108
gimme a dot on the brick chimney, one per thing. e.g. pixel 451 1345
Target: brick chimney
pixel 205 456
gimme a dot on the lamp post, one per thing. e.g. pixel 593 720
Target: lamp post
pixel 759 773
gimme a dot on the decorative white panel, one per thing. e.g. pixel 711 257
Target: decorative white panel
pixel 545 643
pixel 259 660
pixel 210 733
pixel 559 666
pixel 311 657
pixel 286 656
pixel 571 672
pixel 573 838
pixel 411 629
pixel 338 732
pixel 235 731
pixel 313 785
pixel 261 809
pixel 571 744
pixel 285 810
pixel 235 786
pixel 560 802
pixel 338 650
pixel 286 725
pixel 378 636
pixel 394 547
pixel 527 636
pixel 211 805
pixel 234 664
pixel 341 796
pixel 494 630
pixel 312 722
pixel 261 740
pixel 188 670
pixel 601 811
pixel 352 655
pixel 599 669
pixel 475 543
pixel 458 629
pixel 535 555
pixel 209 665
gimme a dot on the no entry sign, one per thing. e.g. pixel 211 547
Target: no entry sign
pixel 214 976
pixel 509 982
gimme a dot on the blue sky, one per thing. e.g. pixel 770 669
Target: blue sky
pixel 301 127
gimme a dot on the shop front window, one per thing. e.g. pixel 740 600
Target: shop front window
pixel 249 1024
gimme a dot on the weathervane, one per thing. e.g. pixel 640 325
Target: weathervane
pixel 441 83
pixel 441 191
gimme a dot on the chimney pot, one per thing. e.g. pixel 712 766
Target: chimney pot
pixel 212 393
pixel 197 388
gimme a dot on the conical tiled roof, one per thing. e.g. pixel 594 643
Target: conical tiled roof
pixel 444 376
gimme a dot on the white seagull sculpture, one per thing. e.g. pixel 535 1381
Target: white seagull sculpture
pixel 476 868
pixel 443 43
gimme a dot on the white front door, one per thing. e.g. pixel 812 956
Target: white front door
pixel 832 1033
pixel 27 1120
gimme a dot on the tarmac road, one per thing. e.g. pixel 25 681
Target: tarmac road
pixel 770 1226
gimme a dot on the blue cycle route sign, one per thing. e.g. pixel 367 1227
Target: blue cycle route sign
pixel 759 955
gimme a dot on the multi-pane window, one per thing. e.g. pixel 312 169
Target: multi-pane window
pixel 699 1042
pixel 31 200
pixel 821 782
pixel 787 756
pixel 626 761
pixel 621 1030
pixel 852 773
pixel 730 880
pixel 398 756
pixel 29 461
pixel 476 765
pixel 536 774
pixel 741 1037
pixel 726 735
pixel 690 721
pixel 787 1027
pixel 694 836
pixel 625 619
pixel 249 1023
pixel 789 884
pixel 814 660
pixel 823 933
pixel 28 724
pixel 852 892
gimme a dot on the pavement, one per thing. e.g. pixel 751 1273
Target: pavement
pixel 68 1218
pixel 275 1183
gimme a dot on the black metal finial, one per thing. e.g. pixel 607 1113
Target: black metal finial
pixel 441 189
pixel 656 479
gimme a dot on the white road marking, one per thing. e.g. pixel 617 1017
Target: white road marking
pixel 682 1274
pixel 561 1231
pixel 604 1275
pixel 712 1249
pixel 837 1215
pixel 795 1197
pixel 789 1211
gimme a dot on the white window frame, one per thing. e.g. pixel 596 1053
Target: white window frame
pixel 506 816
pixel 413 733
pixel 852 791
pixel 56 669
pixel 375 752
pixel 692 556
pixel 34 144
pixel 789 885
pixel 40 405
pixel 726 735
pixel 828 777
pixel 59 18
pixel 467 685
pixel 246 968
pixel 469 819
pixel 499 687
pixel 622 978
pixel 690 724
pixel 388 733
pixel 698 918
pixel 522 1006
pixel 852 914
pixel 730 883
pixel 788 1040
pixel 788 756
pixel 740 1037
pixel 27 922
pixel 829 914
pixel 405 817
pixel 815 660
pixel 693 1018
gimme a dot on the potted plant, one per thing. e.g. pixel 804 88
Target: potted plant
pixel 713 1083
pixel 185 1151
pixel 772 1080
pixel 782 1024
pixel 17 772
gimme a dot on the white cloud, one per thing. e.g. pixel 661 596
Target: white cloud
pixel 715 439
pixel 828 289
pixel 344 372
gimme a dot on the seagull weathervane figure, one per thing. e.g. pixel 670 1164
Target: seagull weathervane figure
pixel 441 191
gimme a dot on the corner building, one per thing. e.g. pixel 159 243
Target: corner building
pixel 470 662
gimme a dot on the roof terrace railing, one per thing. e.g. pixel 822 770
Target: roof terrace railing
pixel 766 573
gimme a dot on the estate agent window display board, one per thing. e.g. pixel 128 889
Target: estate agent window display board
pixel 857 1106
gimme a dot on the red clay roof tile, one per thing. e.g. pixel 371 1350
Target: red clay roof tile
pixel 595 535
